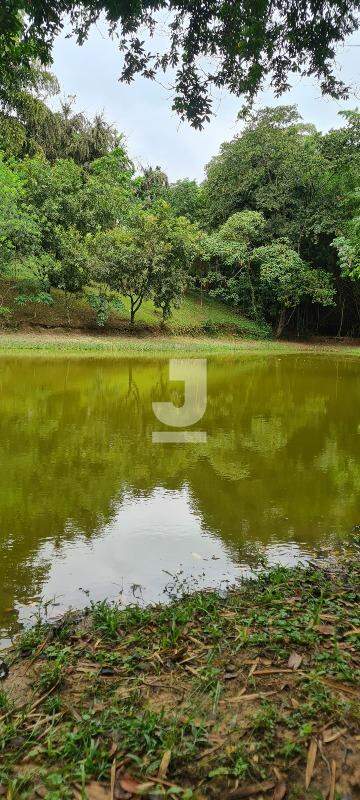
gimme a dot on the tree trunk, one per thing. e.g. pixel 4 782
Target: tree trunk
pixel 253 299
pixel 341 319
pixel 132 311
pixel 134 307
pixel 67 309
pixel 281 323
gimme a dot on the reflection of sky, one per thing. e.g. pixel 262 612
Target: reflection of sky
pixel 132 558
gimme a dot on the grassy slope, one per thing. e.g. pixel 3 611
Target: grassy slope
pixel 193 314
pixel 190 317
pixel 254 695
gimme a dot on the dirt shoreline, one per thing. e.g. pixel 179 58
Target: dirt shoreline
pixel 252 695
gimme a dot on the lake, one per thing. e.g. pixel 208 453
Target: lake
pixel 91 507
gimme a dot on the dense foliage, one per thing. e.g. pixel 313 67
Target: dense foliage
pixel 235 44
pixel 306 187
pixel 274 230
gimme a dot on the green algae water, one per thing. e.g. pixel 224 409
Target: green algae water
pixel 90 507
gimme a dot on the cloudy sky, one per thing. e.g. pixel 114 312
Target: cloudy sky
pixel 142 111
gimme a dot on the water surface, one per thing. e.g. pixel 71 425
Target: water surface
pixel 89 506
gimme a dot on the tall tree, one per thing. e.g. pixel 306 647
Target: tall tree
pixel 273 166
pixel 152 185
pixel 29 127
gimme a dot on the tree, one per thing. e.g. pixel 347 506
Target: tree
pixel 172 274
pixel 29 127
pixel 340 149
pixel 67 194
pixel 348 247
pixel 146 257
pixel 186 199
pixel 121 264
pixel 46 211
pixel 304 183
pixel 71 260
pixel 233 44
pixel 286 279
pixel 229 250
pixel 23 265
pixel 152 185
pixel 273 166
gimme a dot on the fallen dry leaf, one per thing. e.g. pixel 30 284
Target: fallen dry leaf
pixel 113 749
pixel 354 779
pixel 325 630
pixel 331 735
pixel 113 779
pixel 295 660
pixel 331 795
pixel 165 761
pixel 133 786
pixel 275 671
pixel 353 632
pixel 253 668
pixel 278 775
pixel 280 791
pixel 247 697
pixel 253 788
pixel 96 791
pixel 310 762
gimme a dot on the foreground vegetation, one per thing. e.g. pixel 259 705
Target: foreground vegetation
pixel 256 694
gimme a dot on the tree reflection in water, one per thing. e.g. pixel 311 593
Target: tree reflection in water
pixel 82 484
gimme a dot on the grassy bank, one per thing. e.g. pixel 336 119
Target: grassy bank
pixel 200 326
pixel 255 695
pixel 53 343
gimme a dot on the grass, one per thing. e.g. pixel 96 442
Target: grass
pixel 43 343
pixel 79 345
pixel 255 694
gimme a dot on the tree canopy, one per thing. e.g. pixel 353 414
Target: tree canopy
pixel 234 44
